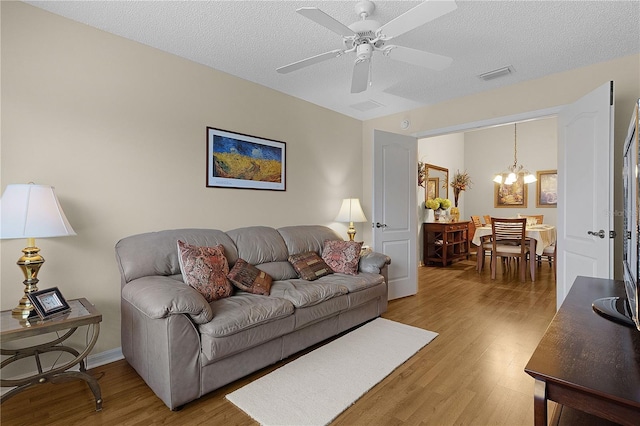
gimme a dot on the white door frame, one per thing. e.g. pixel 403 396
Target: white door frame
pixel 491 122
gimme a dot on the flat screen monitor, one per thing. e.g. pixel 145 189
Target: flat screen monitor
pixel 626 310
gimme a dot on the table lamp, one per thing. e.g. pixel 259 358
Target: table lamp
pixel 350 211
pixel 31 211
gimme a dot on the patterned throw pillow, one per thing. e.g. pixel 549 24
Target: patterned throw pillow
pixel 342 256
pixel 309 265
pixel 247 277
pixel 205 269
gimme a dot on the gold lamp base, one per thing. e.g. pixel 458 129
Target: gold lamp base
pixel 351 232
pixel 30 263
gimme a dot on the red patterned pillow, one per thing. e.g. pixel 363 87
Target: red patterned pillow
pixel 247 277
pixel 309 265
pixel 342 256
pixel 205 269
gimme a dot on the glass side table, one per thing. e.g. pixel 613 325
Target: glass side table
pixel 15 329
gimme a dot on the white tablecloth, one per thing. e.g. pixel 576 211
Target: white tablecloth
pixel 544 235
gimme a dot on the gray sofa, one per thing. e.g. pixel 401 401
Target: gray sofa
pixel 184 347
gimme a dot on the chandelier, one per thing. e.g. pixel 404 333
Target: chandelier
pixel 510 175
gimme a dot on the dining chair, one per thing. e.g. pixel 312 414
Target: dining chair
pixel 508 241
pixel 487 220
pixel 550 252
pixel 476 221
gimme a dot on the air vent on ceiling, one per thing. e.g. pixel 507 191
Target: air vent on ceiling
pixel 497 73
pixel 366 105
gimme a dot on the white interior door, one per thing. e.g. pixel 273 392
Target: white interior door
pixel 585 189
pixel 394 208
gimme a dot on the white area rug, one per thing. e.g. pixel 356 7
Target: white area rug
pixel 315 388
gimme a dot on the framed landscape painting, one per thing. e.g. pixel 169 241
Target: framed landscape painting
pixel 514 195
pixel 235 160
pixel 432 188
pixel 547 188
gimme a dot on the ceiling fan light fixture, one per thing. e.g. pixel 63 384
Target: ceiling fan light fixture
pixel 364 52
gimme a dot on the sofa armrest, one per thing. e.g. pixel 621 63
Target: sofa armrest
pixel 373 262
pixel 160 296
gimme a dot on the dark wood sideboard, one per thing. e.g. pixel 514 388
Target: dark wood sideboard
pixel 587 362
pixel 445 242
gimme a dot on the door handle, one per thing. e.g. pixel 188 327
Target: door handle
pixel 380 225
pixel 597 234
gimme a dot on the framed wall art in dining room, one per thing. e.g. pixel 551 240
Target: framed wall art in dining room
pixel 514 195
pixel 547 188
pixel 235 160
pixel 432 188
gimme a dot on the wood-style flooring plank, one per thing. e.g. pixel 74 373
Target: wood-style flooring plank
pixel 471 374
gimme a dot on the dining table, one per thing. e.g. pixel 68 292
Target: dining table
pixel 540 236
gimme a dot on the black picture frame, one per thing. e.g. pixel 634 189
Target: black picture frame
pixel 49 302
pixel 242 161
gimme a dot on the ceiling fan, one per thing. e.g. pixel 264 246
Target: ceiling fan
pixel 367 36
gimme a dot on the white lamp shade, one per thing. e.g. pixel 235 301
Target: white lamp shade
pixel 32 211
pixel 351 211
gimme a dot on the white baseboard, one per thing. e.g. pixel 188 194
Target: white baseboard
pixel 105 357
pixel 92 361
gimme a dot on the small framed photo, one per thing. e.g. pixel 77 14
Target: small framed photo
pixel 49 302
pixel 235 160
pixel 547 188
pixel 432 188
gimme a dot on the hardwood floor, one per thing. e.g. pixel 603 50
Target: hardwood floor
pixel 471 374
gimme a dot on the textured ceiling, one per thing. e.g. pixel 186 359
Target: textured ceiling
pixel 250 39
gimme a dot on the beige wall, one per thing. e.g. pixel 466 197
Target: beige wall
pixel 547 92
pixel 119 129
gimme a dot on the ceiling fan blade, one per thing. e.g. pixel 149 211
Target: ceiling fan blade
pixel 310 61
pixel 325 20
pixel 360 78
pixel 421 14
pixel 417 57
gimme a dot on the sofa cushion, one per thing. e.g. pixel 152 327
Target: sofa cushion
pixel 303 238
pixel 309 265
pixel 342 256
pixel 243 311
pixel 281 270
pixel 249 278
pixel 205 269
pixel 303 293
pixel 259 244
pixel 155 253
pixel 355 283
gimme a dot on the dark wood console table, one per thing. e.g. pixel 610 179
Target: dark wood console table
pixel 586 362
pixel 445 242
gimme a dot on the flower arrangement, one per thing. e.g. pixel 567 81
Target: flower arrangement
pixel 422 174
pixel 459 183
pixel 438 203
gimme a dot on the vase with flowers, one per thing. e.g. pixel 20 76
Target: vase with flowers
pixel 439 206
pixel 460 182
